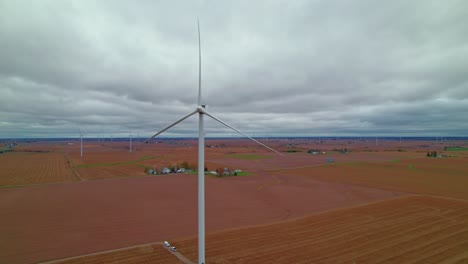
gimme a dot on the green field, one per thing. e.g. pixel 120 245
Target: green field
pixel 456 149
pixel 244 173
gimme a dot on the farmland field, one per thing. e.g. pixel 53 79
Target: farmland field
pixel 372 192
pixel 434 176
pixel 415 229
pixel 72 219
pixel 21 168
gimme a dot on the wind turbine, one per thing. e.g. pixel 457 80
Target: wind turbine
pixel 130 141
pixel 81 143
pixel 138 141
pixel 200 109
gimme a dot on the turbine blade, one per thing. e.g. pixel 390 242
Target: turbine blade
pixel 199 63
pixel 171 125
pixel 226 124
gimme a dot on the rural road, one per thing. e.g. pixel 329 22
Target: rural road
pixel 178 255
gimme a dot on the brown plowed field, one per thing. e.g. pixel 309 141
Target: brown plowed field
pixel 415 229
pixel 21 168
pixel 112 159
pixel 114 171
pixel 41 223
pixel 46 222
pixel 435 176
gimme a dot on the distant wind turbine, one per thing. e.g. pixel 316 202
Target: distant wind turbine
pixel 81 143
pixel 138 141
pixel 200 109
pixel 130 141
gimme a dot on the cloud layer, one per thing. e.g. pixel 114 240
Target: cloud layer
pixel 276 68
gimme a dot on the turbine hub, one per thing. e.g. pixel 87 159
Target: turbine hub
pixel 201 109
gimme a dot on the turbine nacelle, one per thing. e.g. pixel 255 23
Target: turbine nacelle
pixel 201 109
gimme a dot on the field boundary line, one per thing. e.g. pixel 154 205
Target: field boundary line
pixel 97 253
pixel 77 174
pixel 72 169
pixel 176 254
pixel 444 197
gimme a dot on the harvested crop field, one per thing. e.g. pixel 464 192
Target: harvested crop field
pixel 102 160
pixel 415 229
pixel 98 204
pixel 110 171
pixel 22 168
pixel 79 218
pixel 434 176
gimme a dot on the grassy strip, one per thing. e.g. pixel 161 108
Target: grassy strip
pixel 14 186
pixel 456 149
pixel 18 153
pixel 244 173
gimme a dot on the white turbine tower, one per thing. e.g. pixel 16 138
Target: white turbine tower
pixel 137 141
pixel 130 141
pixel 81 143
pixel 201 155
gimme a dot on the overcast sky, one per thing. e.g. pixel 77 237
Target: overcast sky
pixel 269 68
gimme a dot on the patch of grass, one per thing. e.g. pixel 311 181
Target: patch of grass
pixel 146 158
pixel 411 166
pixel 248 156
pixel 243 173
pixel 456 149
pixel 11 186
pixel 348 163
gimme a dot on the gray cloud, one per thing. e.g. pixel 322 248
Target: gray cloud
pixel 269 67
